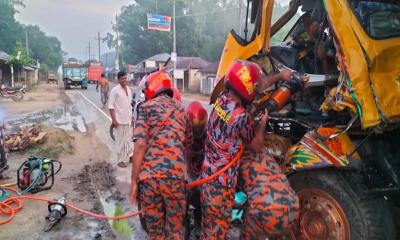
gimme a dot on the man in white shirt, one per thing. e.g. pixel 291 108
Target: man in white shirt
pixel 121 114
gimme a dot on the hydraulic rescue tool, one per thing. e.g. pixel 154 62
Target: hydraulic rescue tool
pixel 277 100
pixel 57 210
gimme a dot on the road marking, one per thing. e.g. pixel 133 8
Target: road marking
pixel 94 105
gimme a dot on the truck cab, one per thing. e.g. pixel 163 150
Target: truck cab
pixel 74 74
pixel 338 139
pixel 94 72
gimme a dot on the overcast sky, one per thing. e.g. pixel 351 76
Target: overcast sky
pixel 75 22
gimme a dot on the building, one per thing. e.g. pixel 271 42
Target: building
pixel 5 69
pixel 188 75
pixel 147 66
pixel 9 75
pixel 209 74
pixel 29 75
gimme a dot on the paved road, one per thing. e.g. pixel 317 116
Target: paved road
pixel 89 104
pixel 94 97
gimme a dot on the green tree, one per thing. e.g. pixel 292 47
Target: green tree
pixel 137 41
pixel 46 49
pixel 202 27
pixel 9 28
pixel 19 58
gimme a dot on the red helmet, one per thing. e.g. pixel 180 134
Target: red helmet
pixel 156 83
pixel 241 78
pixel 198 117
pixel 177 95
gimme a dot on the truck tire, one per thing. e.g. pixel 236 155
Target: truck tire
pixel 332 209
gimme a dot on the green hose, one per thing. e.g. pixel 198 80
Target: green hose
pixel 3 195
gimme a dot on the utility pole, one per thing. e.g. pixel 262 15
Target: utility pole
pixel 115 28
pixel 174 43
pixel 106 60
pixel 98 42
pixel 26 43
pixel 89 53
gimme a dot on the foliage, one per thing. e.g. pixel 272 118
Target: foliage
pixel 109 39
pixel 46 49
pixel 19 57
pixel 202 27
pixel 9 29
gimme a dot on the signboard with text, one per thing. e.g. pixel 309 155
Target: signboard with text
pixel 158 22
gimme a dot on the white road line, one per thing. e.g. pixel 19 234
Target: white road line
pixel 94 105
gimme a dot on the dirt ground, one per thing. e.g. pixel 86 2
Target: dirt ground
pixel 72 179
pixel 85 175
pixel 42 96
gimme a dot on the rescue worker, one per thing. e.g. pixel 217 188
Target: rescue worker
pixel 197 115
pixel 159 170
pixel 177 95
pixel 198 119
pixel 229 129
pixel 272 205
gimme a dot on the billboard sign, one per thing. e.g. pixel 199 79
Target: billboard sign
pixel 158 22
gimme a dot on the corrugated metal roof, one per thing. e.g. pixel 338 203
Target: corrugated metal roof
pixel 191 63
pixel 162 57
pixel 29 68
pixel 3 56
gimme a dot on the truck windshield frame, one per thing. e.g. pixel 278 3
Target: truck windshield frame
pixel 254 17
pixel 380 20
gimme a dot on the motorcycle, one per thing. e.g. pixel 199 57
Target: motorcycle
pixel 16 94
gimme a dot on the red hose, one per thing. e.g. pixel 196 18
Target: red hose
pixel 219 172
pixel 6 207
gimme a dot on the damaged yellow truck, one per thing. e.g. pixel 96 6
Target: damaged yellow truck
pixel 339 139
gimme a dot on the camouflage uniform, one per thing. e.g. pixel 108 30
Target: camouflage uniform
pixel 163 175
pixel 272 203
pixel 229 128
pixel 197 157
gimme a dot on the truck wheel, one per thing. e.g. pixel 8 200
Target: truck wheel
pixel 331 209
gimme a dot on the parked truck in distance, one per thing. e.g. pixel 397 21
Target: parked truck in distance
pixel 52 77
pixel 74 74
